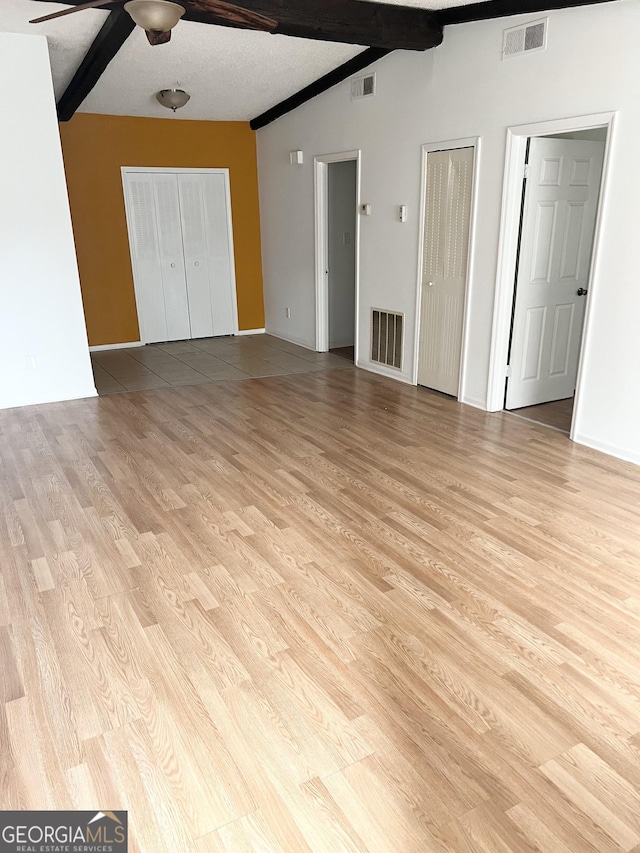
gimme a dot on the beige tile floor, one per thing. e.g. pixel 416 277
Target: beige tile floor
pixel 205 360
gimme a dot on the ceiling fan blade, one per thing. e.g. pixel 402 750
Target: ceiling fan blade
pixel 91 5
pixel 234 14
pixel 158 37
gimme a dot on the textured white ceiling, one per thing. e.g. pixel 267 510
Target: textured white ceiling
pixel 232 75
pixel 69 38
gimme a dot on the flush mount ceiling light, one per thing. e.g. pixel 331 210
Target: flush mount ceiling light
pixel 158 16
pixel 172 99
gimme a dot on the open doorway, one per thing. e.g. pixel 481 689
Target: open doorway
pixel 341 256
pixel 337 179
pixel 560 194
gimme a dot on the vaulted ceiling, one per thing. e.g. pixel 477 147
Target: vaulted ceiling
pixel 231 74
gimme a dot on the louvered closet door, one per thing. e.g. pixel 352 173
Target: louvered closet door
pixel 143 237
pixel 446 243
pixel 158 263
pixel 174 287
pixel 205 230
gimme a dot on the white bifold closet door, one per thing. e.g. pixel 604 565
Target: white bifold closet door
pixel 180 237
pixel 447 223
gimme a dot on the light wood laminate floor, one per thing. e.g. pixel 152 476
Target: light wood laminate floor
pixel 323 612
pixel 557 414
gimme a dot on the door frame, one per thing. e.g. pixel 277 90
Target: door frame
pixel 426 149
pixel 321 200
pixel 124 172
pixel 516 144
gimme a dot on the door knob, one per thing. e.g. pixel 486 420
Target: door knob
pixel 197 264
pixel 582 291
pixel 430 284
pixel 172 266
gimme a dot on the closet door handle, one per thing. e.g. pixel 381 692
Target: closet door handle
pixel 197 264
pixel 172 266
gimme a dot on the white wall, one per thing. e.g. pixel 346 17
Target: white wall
pixel 462 89
pixel 41 313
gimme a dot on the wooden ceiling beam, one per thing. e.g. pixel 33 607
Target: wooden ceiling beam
pixel 381 25
pixel 362 60
pixel 114 32
pixel 445 17
pixel 505 9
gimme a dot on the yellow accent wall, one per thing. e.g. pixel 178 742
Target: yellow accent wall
pixel 95 147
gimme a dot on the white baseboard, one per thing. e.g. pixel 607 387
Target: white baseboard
pixel 610 449
pixel 292 340
pixel 116 346
pixel 250 332
pixel 60 397
pixel 387 372
pixel 476 402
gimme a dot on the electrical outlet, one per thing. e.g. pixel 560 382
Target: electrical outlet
pixel 32 364
pixel 287 312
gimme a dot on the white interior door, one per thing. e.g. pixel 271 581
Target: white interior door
pixel 174 287
pixel 206 229
pixel 155 235
pixel 444 273
pixel 560 205
pixel 145 255
pixel 182 254
pixel 220 261
pixel 194 238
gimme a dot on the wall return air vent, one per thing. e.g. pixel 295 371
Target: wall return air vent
pixel 528 38
pixel 363 87
pixel 386 337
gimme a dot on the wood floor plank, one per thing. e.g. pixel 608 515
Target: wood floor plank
pixel 318 613
pixel 11 684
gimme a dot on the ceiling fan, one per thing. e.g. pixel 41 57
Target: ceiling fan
pixel 158 17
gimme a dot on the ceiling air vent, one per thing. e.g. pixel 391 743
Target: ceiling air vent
pixel 363 87
pixel 525 39
pixel 386 337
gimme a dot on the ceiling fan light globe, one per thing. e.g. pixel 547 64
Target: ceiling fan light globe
pixel 172 99
pixel 158 15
